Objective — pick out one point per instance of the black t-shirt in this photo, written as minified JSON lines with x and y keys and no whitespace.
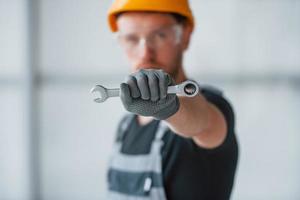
{"x":189,"y":171}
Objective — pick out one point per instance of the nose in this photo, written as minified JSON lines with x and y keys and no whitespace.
{"x":145,"y":51}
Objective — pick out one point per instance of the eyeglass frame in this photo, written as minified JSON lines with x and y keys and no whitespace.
{"x":153,"y":39}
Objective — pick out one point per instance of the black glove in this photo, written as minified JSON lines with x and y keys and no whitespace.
{"x":145,"y":93}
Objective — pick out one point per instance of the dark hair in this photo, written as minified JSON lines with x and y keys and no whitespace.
{"x":179,"y":18}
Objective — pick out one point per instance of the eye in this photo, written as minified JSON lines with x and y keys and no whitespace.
{"x":132,"y":39}
{"x":161,"y":35}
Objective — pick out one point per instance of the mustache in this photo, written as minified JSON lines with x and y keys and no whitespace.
{"x":149,"y":66}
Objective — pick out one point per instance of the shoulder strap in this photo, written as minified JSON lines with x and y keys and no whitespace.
{"x":161,"y":130}
{"x":123,"y":125}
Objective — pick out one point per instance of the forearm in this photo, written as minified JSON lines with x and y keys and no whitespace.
{"x":192,"y":118}
{"x":200,"y":120}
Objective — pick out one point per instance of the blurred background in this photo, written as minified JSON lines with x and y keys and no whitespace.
{"x":55,"y":141}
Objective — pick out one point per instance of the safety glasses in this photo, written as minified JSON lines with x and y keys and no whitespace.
{"x":170,"y":35}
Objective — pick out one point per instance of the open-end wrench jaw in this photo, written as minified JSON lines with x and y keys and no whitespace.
{"x":103,"y":93}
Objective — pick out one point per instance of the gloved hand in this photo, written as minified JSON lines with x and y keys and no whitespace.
{"x":145,"y":93}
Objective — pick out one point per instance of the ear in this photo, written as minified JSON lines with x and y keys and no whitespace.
{"x":187,"y":30}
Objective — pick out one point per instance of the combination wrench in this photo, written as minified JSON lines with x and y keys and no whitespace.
{"x":187,"y":88}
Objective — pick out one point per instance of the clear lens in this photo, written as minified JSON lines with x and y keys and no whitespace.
{"x":155,"y":40}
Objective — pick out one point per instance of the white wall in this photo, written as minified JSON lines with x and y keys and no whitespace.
{"x":14,"y":153}
{"x":248,"y":48}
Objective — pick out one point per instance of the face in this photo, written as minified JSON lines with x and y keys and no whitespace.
{"x":153,"y":40}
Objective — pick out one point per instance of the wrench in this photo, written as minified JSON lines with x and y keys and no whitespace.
{"x":187,"y":88}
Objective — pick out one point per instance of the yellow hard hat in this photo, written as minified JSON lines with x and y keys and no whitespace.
{"x":180,"y":7}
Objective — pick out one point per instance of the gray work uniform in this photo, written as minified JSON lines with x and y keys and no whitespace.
{"x":137,"y":177}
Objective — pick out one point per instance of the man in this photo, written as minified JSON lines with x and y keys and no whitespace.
{"x":169,"y":147}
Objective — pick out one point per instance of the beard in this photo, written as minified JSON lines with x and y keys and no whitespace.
{"x":172,"y":68}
